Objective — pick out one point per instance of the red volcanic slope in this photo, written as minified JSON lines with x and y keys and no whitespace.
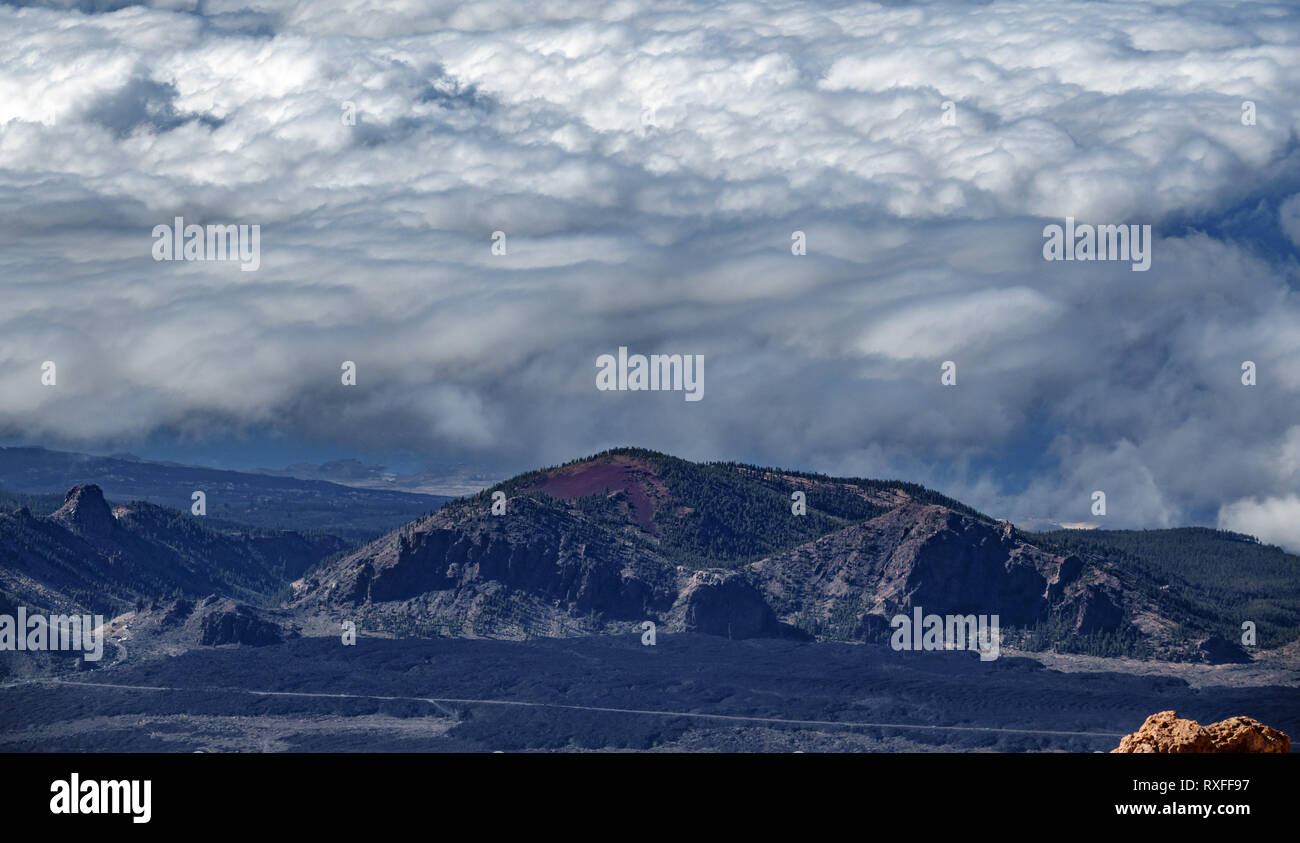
{"x":633,"y":477}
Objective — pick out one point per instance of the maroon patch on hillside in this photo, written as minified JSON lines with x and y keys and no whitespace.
{"x":632,"y":478}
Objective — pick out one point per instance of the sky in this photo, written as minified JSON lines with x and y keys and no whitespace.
{"x":648,"y":162}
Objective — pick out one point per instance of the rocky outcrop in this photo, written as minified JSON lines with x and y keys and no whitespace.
{"x":1218,"y":650}
{"x":499,"y":575}
{"x":946,"y":562}
{"x":222,"y":621}
{"x":86,"y":513}
{"x":1093,"y":604}
{"x":1242,"y":734}
{"x":177,"y":624}
{"x":172,"y":612}
{"x":720,"y":602}
{"x":539,"y":548}
{"x":1166,"y":732}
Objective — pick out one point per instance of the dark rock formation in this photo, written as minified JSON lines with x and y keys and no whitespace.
{"x":86,"y":513}
{"x":942,"y":561}
{"x":1218,"y":650}
{"x":551,"y":559}
{"x":221,"y":621}
{"x":719,"y":602}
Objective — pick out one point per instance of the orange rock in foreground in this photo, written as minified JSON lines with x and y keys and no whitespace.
{"x":1241,"y":734}
{"x":1167,"y":732}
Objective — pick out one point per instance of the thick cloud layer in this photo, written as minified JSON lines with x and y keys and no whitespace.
{"x":648,"y":162}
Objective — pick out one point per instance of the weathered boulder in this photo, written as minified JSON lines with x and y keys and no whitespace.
{"x":1166,"y":732}
{"x":1242,"y":734}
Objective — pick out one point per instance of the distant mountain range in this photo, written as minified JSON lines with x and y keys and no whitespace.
{"x":251,"y":499}
{"x":605,"y":543}
{"x":450,"y":481}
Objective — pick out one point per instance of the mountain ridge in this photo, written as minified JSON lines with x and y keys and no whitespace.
{"x":88,"y":555}
{"x":247,"y":498}
{"x":606,"y":541}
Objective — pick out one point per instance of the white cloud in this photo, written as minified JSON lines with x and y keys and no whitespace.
{"x":1271,"y":520}
{"x":924,"y":239}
